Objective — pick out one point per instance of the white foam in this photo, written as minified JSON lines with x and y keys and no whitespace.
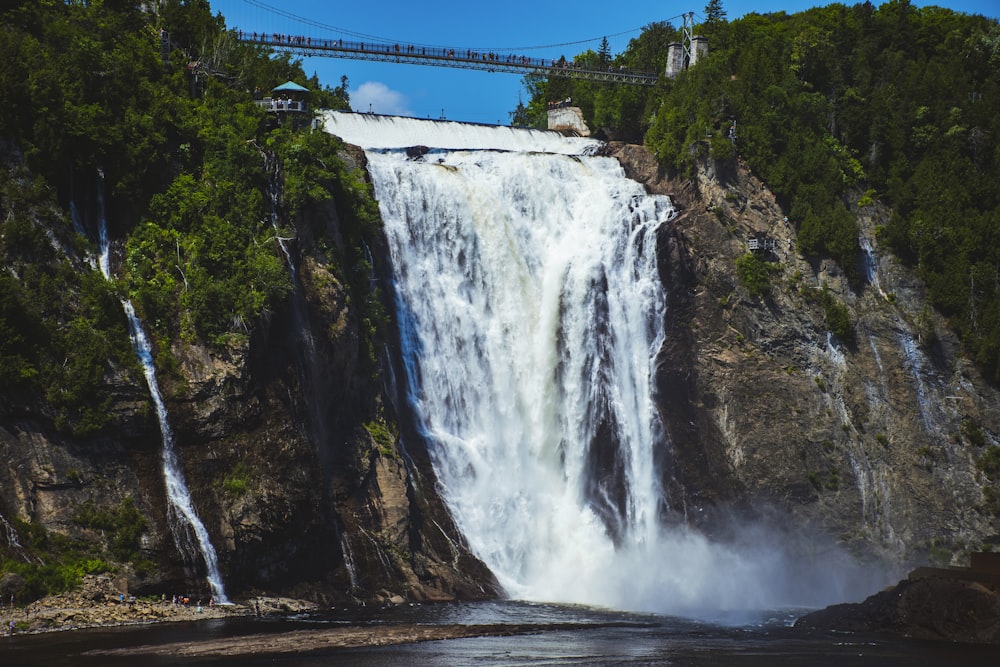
{"x":381,"y":132}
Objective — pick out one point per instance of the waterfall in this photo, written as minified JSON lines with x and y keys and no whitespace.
{"x":370,"y":131}
{"x":181,"y":513}
{"x":871,"y":264}
{"x":10,"y":537}
{"x":271,"y":169}
{"x":531,"y":312}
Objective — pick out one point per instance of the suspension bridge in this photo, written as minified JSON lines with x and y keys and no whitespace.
{"x":294,"y":37}
{"x":412,"y":54}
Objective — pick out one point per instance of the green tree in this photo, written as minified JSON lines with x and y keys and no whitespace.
{"x":714,"y":14}
{"x":604,"y":52}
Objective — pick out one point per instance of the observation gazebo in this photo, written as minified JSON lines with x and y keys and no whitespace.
{"x":289,"y":97}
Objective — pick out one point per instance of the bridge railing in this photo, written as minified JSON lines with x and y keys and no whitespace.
{"x":277,"y":104}
{"x":443,"y":56}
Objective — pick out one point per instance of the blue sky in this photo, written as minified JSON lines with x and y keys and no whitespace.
{"x":482,"y":97}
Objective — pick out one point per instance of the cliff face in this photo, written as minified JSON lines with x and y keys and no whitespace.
{"x":873,"y":439}
{"x":287,"y":442}
{"x":311,"y":485}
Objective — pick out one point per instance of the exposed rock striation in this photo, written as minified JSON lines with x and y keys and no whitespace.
{"x":311,"y":485}
{"x":873,"y":439}
{"x":288,"y":444}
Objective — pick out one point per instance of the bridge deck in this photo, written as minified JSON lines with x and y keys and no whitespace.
{"x":442,"y":57}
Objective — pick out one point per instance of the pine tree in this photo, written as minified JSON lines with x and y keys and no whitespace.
{"x":604,"y":52}
{"x":714,"y":13}
{"x":519,"y":117}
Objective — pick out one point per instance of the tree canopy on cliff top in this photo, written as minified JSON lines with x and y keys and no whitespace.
{"x":834,"y":107}
{"x":161,"y":106}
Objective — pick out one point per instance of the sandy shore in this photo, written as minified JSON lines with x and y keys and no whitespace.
{"x":301,"y":641}
{"x":97,"y":603}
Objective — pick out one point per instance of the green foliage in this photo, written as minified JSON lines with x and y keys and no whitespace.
{"x":179,"y":154}
{"x":58,"y":563}
{"x":237,"y":482}
{"x":989,"y":463}
{"x":61,"y":329}
{"x":383,"y":435}
{"x":832,"y":481}
{"x":190,"y":168}
{"x":836,"y":316}
{"x":123,"y":527}
{"x":838,"y":320}
{"x":817,"y":481}
{"x":973,"y":432}
{"x":755,"y":273}
{"x":41,"y":579}
{"x":721,"y":147}
{"x":832,"y":233}
{"x":939,"y":553}
{"x":625,"y":111}
{"x":714,"y":14}
{"x":903,"y":100}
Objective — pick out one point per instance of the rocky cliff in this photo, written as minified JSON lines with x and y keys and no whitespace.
{"x":311,"y":484}
{"x":872,"y":438}
{"x":288,"y":441}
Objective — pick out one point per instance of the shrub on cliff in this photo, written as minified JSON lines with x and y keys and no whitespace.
{"x":755,"y":273}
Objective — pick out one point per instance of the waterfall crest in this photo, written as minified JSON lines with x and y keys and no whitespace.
{"x":372,"y":131}
{"x":531,"y":312}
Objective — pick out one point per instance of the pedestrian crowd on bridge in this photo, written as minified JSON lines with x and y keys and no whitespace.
{"x":412,"y":49}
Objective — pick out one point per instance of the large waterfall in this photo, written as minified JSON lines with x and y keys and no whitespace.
{"x":531,"y":311}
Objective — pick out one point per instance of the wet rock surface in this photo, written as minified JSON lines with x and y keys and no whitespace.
{"x":929,"y":604}
{"x":872,"y":439}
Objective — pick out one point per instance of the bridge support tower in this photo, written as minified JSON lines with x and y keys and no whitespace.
{"x":682,"y":55}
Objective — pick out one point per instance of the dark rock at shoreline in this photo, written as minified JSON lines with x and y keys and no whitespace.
{"x":953,"y":604}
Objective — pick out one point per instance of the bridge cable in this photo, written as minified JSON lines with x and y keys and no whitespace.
{"x":326,"y":26}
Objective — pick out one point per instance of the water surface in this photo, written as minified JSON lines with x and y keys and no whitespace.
{"x":638,"y":639}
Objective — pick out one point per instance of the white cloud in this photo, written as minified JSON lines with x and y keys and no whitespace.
{"x":379,"y":98}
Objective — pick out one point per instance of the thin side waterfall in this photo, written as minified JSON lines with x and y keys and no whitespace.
{"x":8,"y":535}
{"x":271,"y":168}
{"x":531,"y":312}
{"x":182,"y":516}
{"x":307,"y":358}
{"x":871,"y":264}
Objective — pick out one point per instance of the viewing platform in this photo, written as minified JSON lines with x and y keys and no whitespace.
{"x":289,"y":97}
{"x":273,"y":105}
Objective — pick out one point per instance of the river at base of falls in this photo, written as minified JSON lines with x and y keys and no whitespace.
{"x":596,"y":637}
